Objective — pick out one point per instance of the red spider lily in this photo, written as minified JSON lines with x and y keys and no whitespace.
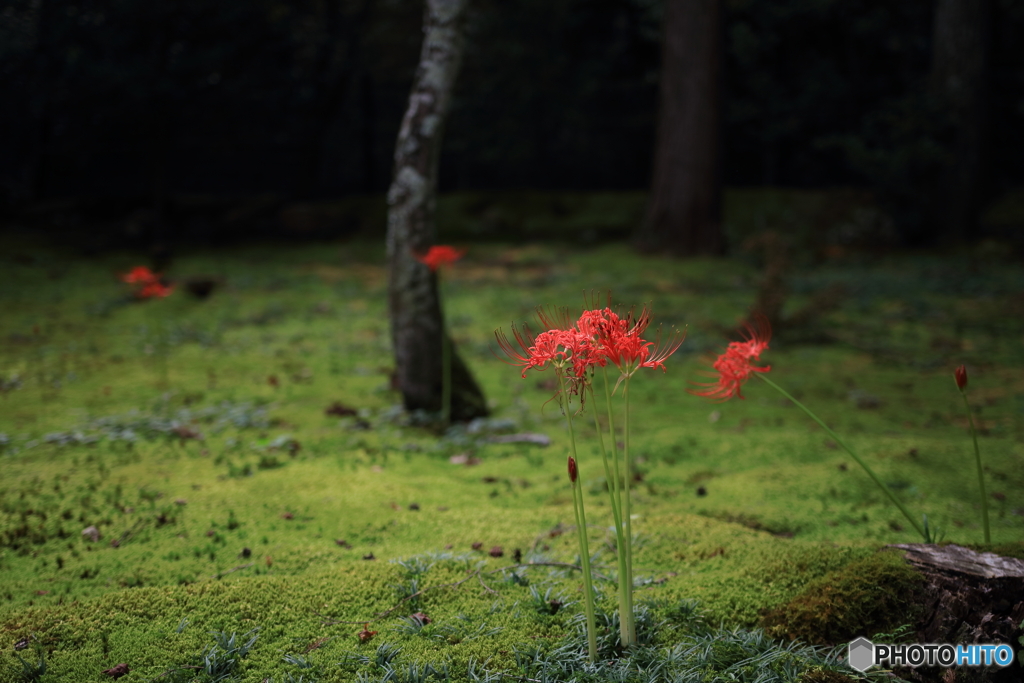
{"x":657,"y":357}
{"x":151,"y":285}
{"x":154,"y":289}
{"x":552,"y":318}
{"x":140,"y":275}
{"x":439,"y":255}
{"x":618,"y":339}
{"x":581,"y":350}
{"x":736,"y":365}
{"x":532,"y":352}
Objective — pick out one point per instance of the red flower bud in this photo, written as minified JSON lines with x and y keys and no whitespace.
{"x":961,"y":377}
{"x":573,"y":472}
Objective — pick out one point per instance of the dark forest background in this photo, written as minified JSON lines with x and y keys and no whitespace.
{"x":112,"y":107}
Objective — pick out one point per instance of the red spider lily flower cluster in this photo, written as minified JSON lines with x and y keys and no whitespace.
{"x":149,"y":283}
{"x":439,"y":255}
{"x":600,"y":336}
{"x":736,"y":365}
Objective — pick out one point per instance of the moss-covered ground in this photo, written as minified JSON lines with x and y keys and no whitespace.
{"x":194,"y":436}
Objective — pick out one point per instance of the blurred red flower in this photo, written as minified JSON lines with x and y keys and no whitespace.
{"x":151,"y":284}
{"x":735,"y":366}
{"x":139,"y":275}
{"x":440,"y":255}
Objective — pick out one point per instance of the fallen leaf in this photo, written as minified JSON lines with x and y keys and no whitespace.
{"x":366,"y":634}
{"x":340,"y":409}
{"x":117,"y":671}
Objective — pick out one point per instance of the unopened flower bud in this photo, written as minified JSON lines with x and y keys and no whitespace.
{"x":573,"y":472}
{"x":961,"y":377}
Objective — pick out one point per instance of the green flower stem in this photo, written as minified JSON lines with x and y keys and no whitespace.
{"x":446,"y":361}
{"x":625,"y":587}
{"x":581,"y":530}
{"x":853,"y":455}
{"x":628,"y":530}
{"x":161,"y":347}
{"x":609,"y":477}
{"x":981,"y":477}
{"x":588,"y":583}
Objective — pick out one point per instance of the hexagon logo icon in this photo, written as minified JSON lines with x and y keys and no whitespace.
{"x":861,"y":654}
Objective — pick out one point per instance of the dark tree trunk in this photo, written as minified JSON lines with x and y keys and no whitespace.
{"x":959,"y":79}
{"x":684,"y":208}
{"x":414,"y":308}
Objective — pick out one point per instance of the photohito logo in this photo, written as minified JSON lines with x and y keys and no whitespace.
{"x":864,"y":654}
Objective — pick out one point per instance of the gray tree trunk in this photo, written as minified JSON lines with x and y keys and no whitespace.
{"x":959,"y":79}
{"x":413,"y":305}
{"x":684,"y":208}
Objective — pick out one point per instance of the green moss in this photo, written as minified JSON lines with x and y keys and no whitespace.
{"x":274,"y":475}
{"x":867,"y":596}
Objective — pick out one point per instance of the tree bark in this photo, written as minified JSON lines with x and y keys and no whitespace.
{"x":959,"y":79}
{"x":968,"y":597}
{"x":684,"y":208}
{"x":414,"y":308}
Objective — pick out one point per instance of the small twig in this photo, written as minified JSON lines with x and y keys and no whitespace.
{"x":235,"y":569}
{"x":486,"y":587}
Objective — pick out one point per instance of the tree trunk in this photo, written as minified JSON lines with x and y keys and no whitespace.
{"x":968,"y":597}
{"x":959,"y":79}
{"x":414,"y":308}
{"x":684,"y":208}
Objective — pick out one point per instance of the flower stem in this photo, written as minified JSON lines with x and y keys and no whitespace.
{"x":611,"y":477}
{"x":446,"y":362}
{"x":581,"y":529}
{"x":853,"y":455}
{"x":625,"y":587}
{"x":628,"y":530}
{"x":981,"y":476}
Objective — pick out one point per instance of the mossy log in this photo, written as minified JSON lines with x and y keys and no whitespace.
{"x":968,"y":597}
